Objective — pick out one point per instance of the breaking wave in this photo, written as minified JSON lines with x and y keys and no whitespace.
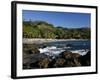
{"x":54,"y":51}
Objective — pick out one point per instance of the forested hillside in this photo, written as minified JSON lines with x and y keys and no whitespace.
{"x":41,"y":29}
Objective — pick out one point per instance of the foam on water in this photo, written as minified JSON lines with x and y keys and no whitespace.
{"x":51,"y":51}
{"x":81,"y":52}
{"x":54,"y":51}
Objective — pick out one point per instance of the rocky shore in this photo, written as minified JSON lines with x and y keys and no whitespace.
{"x":32,"y":59}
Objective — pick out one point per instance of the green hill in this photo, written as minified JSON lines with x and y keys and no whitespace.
{"x":41,"y":29}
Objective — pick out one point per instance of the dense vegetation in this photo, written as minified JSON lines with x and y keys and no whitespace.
{"x":41,"y":29}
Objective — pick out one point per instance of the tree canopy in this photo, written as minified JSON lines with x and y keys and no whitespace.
{"x":41,"y":29}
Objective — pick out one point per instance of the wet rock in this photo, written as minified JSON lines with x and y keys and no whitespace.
{"x":44,"y":46}
{"x":86,"y":59}
{"x":34,"y":65}
{"x":68,"y":55}
{"x":44,"y":63}
{"x":59,"y":62}
{"x":72,"y":62}
{"x":51,"y":64}
{"x":24,"y":66}
{"x":72,"y":59}
{"x":35,"y":61}
{"x":30,"y":49}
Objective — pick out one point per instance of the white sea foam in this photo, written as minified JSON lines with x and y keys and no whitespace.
{"x":51,"y":51}
{"x":81,"y":52}
{"x":54,"y":51}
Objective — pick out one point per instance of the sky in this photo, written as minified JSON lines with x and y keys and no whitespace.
{"x":64,"y":19}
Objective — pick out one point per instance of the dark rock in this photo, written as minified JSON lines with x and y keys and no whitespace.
{"x":66,"y":59}
{"x":33,"y":51}
{"x":44,"y":63}
{"x":44,"y":46}
{"x":59,"y":62}
{"x":34,"y":65}
{"x":30,"y":49}
{"x":35,"y":61}
{"x":72,"y":59}
{"x":24,"y":66}
{"x":72,"y":62}
{"x":86,"y":59}
{"x":32,"y":59}
{"x":68,"y":55}
{"x":51,"y":64}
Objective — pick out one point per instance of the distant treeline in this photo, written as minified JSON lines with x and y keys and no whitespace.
{"x":41,"y":29}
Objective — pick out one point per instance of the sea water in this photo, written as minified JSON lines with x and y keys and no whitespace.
{"x":56,"y":47}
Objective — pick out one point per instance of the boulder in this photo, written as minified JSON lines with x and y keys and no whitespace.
{"x":71,"y":59}
{"x":44,"y":63}
{"x":86,"y":59}
{"x":72,"y":62}
{"x":59,"y":62}
{"x":29,"y":49}
{"x":34,"y":65}
{"x":68,"y":55}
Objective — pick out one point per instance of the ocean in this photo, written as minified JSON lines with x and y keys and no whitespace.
{"x":56,"y":47}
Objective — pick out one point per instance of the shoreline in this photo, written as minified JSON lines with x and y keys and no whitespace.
{"x":40,"y":41}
